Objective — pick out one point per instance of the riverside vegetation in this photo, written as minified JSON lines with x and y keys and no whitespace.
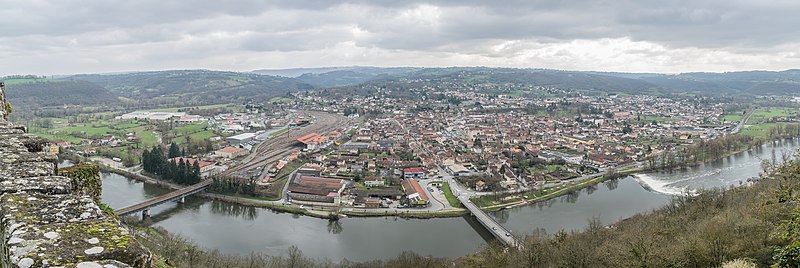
{"x":750,"y":226}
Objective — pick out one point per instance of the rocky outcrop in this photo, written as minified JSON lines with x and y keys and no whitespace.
{"x":84,"y":180}
{"x":5,"y":107}
{"x":50,"y":218}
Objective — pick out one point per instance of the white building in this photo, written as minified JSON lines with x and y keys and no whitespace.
{"x":241,"y":138}
{"x":161,"y":116}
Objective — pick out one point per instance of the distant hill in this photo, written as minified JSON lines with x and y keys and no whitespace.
{"x":732,"y":83}
{"x":588,"y":83}
{"x":338,"y":76}
{"x":335,"y":78}
{"x":736,"y":83}
{"x":580,"y":81}
{"x":51,"y":93}
{"x":194,"y":87}
{"x":210,"y":85}
{"x":297,"y":72}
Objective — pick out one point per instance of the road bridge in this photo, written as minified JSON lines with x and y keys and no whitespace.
{"x":178,"y":195}
{"x":501,"y":233}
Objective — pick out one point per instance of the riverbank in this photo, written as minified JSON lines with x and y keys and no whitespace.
{"x":274,"y":204}
{"x":519,"y":199}
{"x":531,"y":197}
{"x":409,"y":215}
{"x":756,"y":142}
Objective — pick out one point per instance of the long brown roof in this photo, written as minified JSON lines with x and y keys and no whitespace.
{"x":412,"y":186}
{"x":314,"y":185}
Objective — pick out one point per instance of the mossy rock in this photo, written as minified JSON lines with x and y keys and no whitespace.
{"x":58,"y":230}
{"x":85,"y":180}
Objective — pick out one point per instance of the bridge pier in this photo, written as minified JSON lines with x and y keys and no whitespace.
{"x":177,"y":195}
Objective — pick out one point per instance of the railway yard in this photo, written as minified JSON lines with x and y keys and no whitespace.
{"x":268,"y":152}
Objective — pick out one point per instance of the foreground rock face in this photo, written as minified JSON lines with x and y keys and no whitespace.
{"x":51,"y":221}
{"x":3,"y":103}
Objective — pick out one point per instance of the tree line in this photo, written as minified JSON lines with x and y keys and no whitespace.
{"x":155,"y":162}
{"x":717,"y":148}
{"x":700,"y":151}
{"x":227,"y":185}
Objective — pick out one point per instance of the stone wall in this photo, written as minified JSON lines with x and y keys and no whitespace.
{"x":3,"y":103}
{"x":48,"y":220}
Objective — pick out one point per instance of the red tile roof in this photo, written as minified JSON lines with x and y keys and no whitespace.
{"x":413,"y":170}
{"x":313,"y":137}
{"x":411,"y":185}
{"x":230,"y":150}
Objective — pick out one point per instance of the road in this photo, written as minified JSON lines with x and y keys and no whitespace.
{"x":499,"y":231}
{"x":743,"y":121}
{"x":437,"y":199}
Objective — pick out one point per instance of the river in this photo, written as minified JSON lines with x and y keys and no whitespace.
{"x":240,"y":229}
{"x":615,"y":200}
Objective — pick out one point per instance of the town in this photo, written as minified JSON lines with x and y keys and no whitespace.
{"x":393,"y":156}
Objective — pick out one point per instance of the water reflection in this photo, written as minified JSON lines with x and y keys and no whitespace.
{"x":572,"y":196}
{"x":170,"y":209}
{"x":591,"y":189}
{"x":619,"y":199}
{"x":501,"y":216}
{"x":335,"y":227}
{"x":611,"y":184}
{"x":229,"y":209}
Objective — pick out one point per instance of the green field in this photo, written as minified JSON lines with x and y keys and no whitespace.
{"x":146,"y":136}
{"x":732,"y":117}
{"x":761,"y":115}
{"x":71,"y":139}
{"x":189,"y":129}
{"x":195,"y":132}
{"x":759,"y":130}
{"x":546,"y":169}
{"x":61,"y":129}
{"x":78,"y":131}
{"x":202,"y":135}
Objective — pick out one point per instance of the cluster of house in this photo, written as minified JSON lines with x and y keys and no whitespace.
{"x":484,"y":135}
{"x":310,"y":186}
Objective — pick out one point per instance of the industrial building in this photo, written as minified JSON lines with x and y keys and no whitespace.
{"x":241,"y":138}
{"x":316,"y":191}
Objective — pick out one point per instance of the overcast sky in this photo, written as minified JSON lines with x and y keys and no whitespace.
{"x":66,"y":37}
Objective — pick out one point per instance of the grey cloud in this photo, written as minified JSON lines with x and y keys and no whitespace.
{"x":679,"y":23}
{"x":173,"y":29}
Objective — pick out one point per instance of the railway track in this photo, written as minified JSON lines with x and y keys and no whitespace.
{"x":278,"y":147}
